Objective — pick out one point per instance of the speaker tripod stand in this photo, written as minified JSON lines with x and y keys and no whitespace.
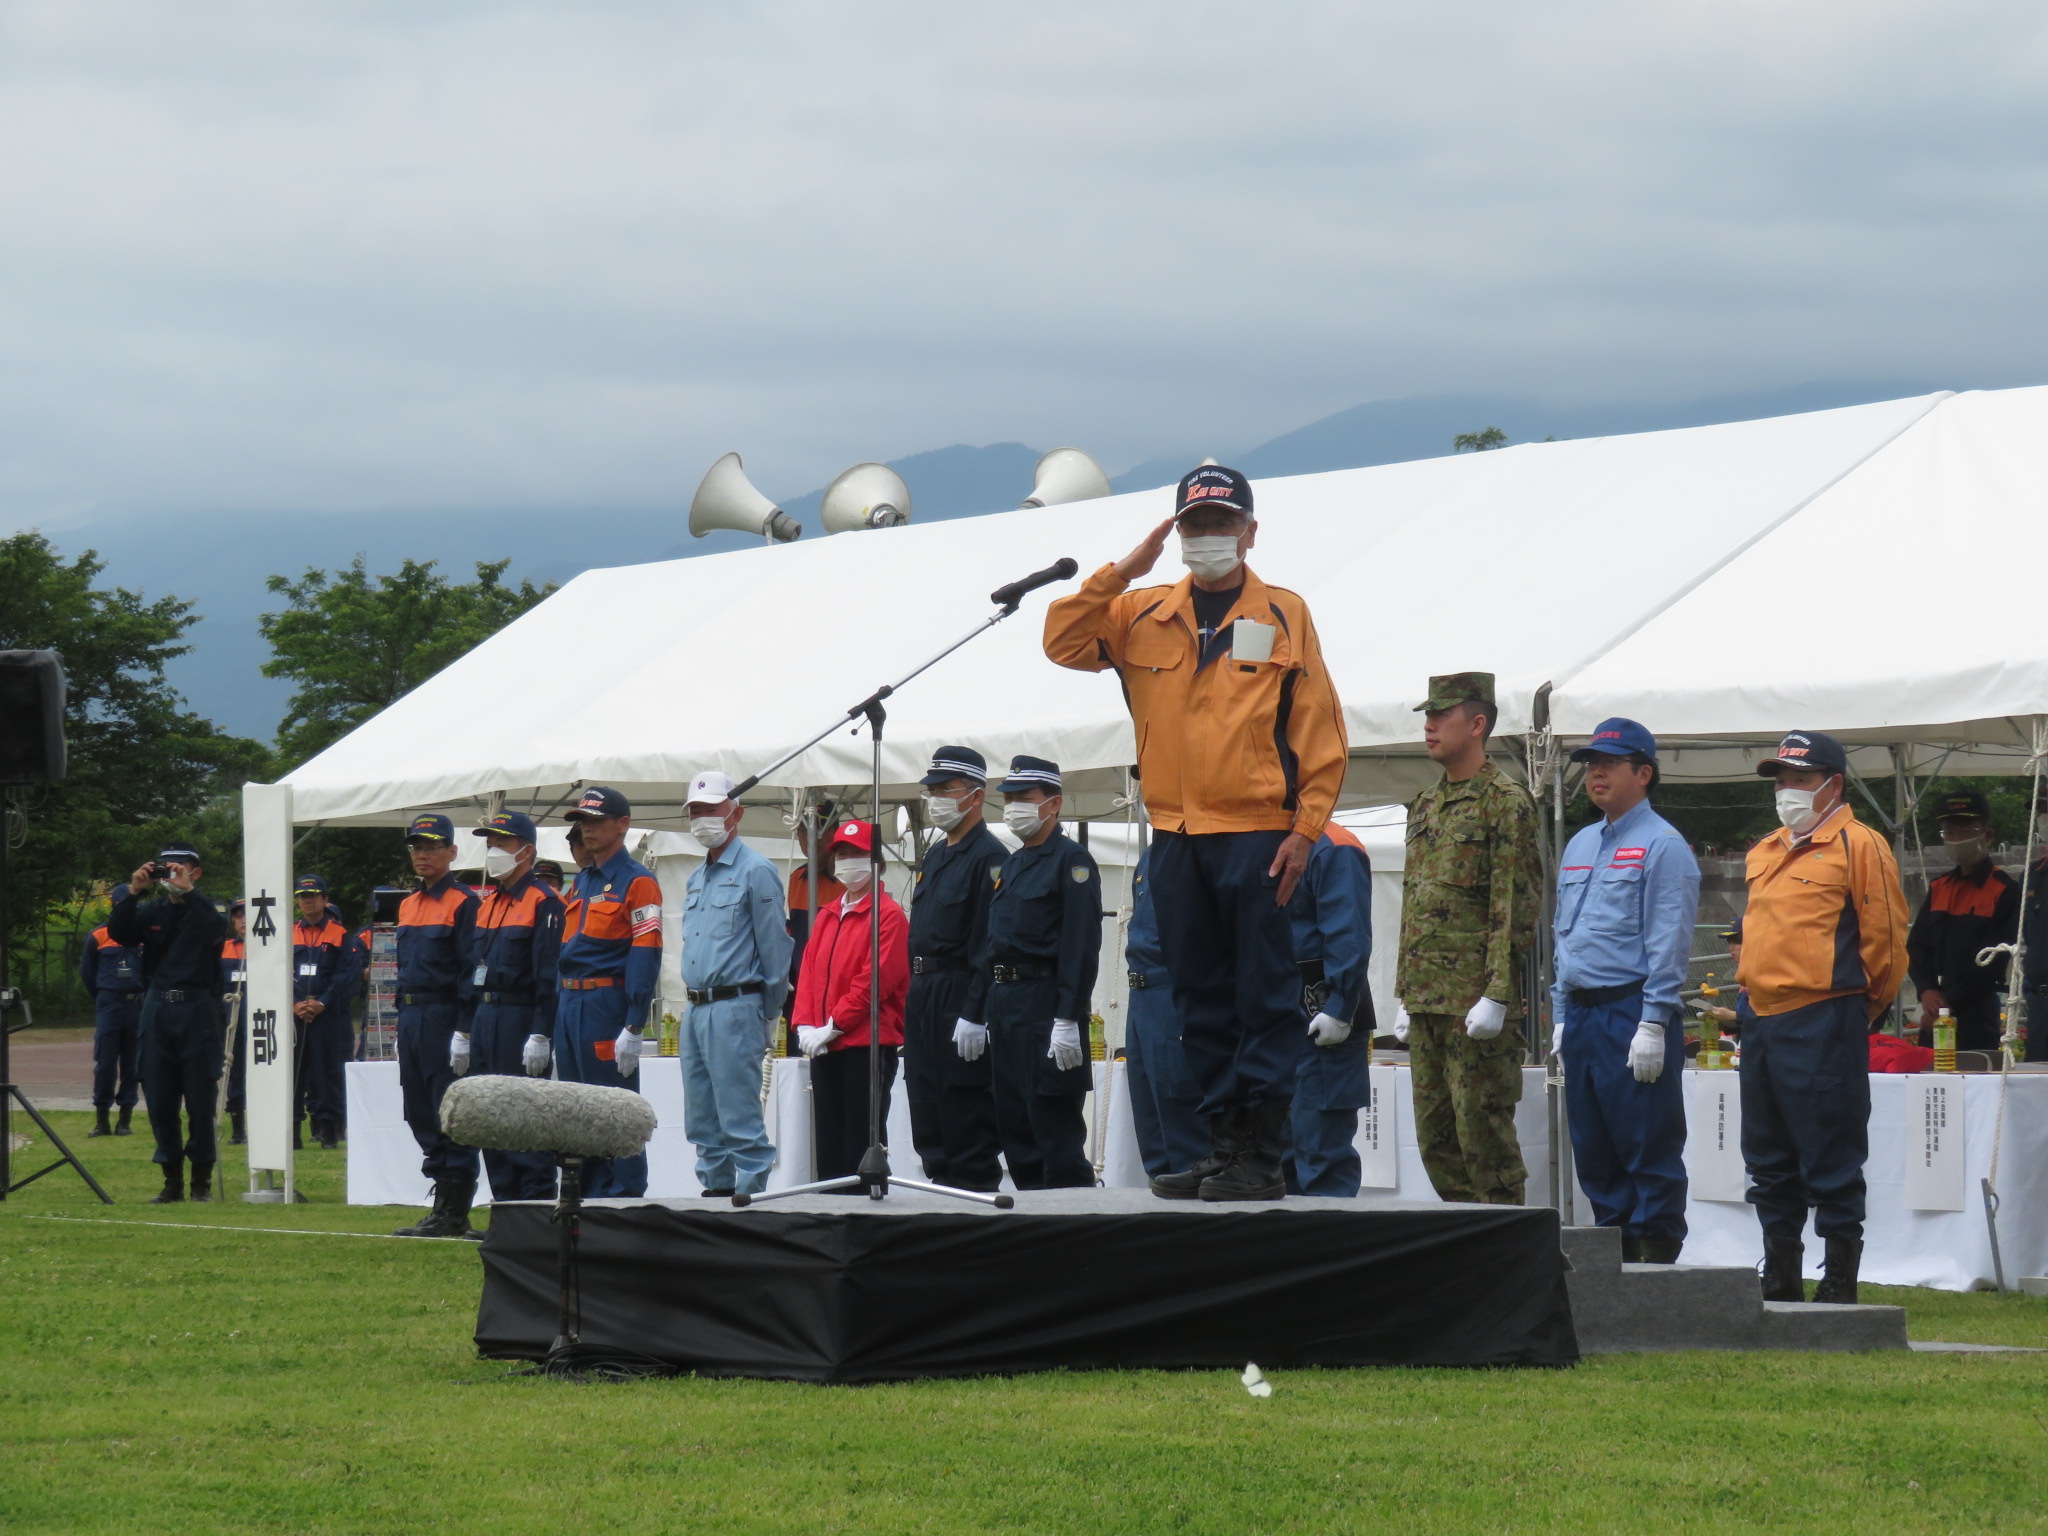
{"x":11,"y":1095}
{"x":873,"y":1175}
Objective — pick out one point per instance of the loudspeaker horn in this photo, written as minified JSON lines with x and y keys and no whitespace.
{"x":865,"y":496}
{"x":726,"y":498}
{"x":1063,"y":475}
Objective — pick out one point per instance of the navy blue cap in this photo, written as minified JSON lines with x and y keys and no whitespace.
{"x":508,"y":824}
{"x":1617,"y":738}
{"x":1963,"y":802}
{"x":1806,"y":749}
{"x":181,"y":853}
{"x":1031,"y":773}
{"x":956,"y":763}
{"x":310,"y":885}
{"x":431,"y":825}
{"x":237,"y":905}
{"x":1213,"y":486}
{"x":597,"y":803}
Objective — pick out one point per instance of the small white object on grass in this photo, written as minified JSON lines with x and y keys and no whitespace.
{"x":1255,"y":1381}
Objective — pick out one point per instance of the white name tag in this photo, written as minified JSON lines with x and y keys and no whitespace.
{"x":478,"y":979}
{"x":1252,"y":641}
{"x":309,"y":970}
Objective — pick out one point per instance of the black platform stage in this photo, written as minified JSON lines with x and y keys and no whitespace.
{"x":843,"y":1289}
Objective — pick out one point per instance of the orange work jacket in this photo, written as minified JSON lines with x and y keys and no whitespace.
{"x":1826,"y":918}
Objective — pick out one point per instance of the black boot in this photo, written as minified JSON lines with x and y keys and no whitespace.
{"x":173,"y":1192}
{"x":428,"y":1225}
{"x":1256,"y":1173}
{"x":298,"y":1142}
{"x":1838,"y":1280}
{"x":1631,"y":1248}
{"x":202,"y":1182}
{"x":1661,"y":1248}
{"x":329,"y":1132}
{"x":99,"y":1124}
{"x":455,"y":1217}
{"x":1784,"y":1257}
{"x":1223,"y":1142}
{"x":238,"y":1128}
{"x":121,"y":1125}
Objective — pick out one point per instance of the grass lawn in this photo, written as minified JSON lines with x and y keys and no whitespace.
{"x":166,"y":1378}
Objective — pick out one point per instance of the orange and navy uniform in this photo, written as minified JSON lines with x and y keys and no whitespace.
{"x":1826,"y":918}
{"x":324,"y":964}
{"x":515,"y":949}
{"x":1966,"y":910}
{"x":234,"y":967}
{"x":108,"y":966}
{"x":433,"y":943}
{"x":611,"y":933}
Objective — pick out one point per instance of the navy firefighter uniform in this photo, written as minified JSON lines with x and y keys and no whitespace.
{"x":1627,"y":894}
{"x":952,"y":1108}
{"x":1044,"y":946}
{"x":1331,"y":912}
{"x":180,"y":936}
{"x":234,"y":1002}
{"x":609,"y":966}
{"x":1166,"y":1104}
{"x":433,"y":942}
{"x":514,"y":948}
{"x":112,"y":973}
{"x":326,"y":965}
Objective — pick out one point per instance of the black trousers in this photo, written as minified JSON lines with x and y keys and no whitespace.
{"x":324,"y":1048}
{"x":1038,"y":1107}
{"x":181,"y":1061}
{"x":1978,"y":1026}
{"x":423,"y":1076}
{"x":839,"y":1107}
{"x":497,"y":1045}
{"x":1806,"y":1117}
{"x":952,"y":1109}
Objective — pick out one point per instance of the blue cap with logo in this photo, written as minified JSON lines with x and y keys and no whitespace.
{"x":1212,"y":485}
{"x":956,"y":763}
{"x":178,"y":853}
{"x":1031,"y":773}
{"x":1806,"y":749}
{"x":507,"y":824}
{"x":430,"y":826}
{"x":1617,"y":738}
{"x":597,"y":803}
{"x":310,"y":885}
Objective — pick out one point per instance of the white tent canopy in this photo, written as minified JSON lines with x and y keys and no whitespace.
{"x":1722,"y":584}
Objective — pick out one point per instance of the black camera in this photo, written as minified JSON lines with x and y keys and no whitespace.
{"x":159,"y":871}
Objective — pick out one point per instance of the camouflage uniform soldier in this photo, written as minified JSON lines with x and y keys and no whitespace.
{"x":1468,"y":921}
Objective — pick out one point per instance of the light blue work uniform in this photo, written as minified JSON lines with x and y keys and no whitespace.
{"x":1166,"y":1106}
{"x":1331,"y":914}
{"x":735,"y":935}
{"x":1627,"y":894}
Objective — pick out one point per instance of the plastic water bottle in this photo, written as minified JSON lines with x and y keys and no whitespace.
{"x":1944,"y":1042}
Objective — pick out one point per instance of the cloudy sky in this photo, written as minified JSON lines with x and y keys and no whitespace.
{"x":323,"y":257}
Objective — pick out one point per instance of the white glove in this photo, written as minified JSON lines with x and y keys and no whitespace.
{"x":1324,"y":1030}
{"x":812,"y":1039}
{"x":1557,"y":1037}
{"x":1066,"y":1051}
{"x":1646,"y":1052}
{"x":1485,"y":1019}
{"x":1400,"y":1022}
{"x":969,"y":1039}
{"x":535,"y":1055}
{"x":458,"y":1053}
{"x":626,"y":1053}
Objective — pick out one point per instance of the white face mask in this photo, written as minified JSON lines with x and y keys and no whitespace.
{"x":1023,"y":817}
{"x":1795,"y":808}
{"x":1211,"y":556}
{"x":852,"y":870}
{"x":944,"y":813}
{"x":500,"y":862}
{"x":710,"y":831}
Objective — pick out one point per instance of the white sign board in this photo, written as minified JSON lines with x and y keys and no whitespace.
{"x":267,"y":1044}
{"x":1934,"y":1143}
{"x":1378,"y":1143}
{"x":1713,"y":1136}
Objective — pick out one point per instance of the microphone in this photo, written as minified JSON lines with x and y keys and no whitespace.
{"x":539,"y":1114}
{"x":1013,"y":594}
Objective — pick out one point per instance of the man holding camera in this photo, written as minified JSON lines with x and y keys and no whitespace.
{"x":180,"y":932}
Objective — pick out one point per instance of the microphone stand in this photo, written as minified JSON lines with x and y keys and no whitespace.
{"x":874,"y":1175}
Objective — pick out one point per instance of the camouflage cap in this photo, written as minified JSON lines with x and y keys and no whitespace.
{"x":1455,"y":688}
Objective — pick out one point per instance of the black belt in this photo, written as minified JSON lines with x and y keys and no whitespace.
{"x":423,"y":999}
{"x":1137,"y":980}
{"x":507,"y":999}
{"x":1025,"y":970}
{"x":1594,"y":997}
{"x":1311,"y":971}
{"x":720,"y":994}
{"x":930,"y":965}
{"x":183,"y":994}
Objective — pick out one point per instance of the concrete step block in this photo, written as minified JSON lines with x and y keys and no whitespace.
{"x":1817,"y":1325}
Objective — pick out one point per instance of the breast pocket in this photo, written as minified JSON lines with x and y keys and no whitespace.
{"x":1615,"y":903}
{"x":1156,"y":647}
{"x":607,"y":920}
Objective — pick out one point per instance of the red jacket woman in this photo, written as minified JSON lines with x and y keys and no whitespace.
{"x":833,"y":997}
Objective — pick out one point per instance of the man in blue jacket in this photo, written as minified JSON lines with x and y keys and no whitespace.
{"x":1332,"y":917}
{"x":1166,"y":1106}
{"x":1627,"y":892}
{"x":112,"y":973}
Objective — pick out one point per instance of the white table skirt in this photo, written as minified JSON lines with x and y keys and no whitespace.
{"x":1950,"y":1250}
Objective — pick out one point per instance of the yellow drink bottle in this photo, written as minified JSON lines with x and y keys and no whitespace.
{"x":1944,"y":1042}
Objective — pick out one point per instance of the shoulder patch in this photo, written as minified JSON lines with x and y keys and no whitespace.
{"x":1080,"y":874}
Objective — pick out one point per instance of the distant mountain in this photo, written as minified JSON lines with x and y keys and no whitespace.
{"x":220,"y":563}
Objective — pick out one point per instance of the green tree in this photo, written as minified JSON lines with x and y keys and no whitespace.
{"x":1480,"y":441}
{"x":143,"y":768}
{"x":356,"y":643}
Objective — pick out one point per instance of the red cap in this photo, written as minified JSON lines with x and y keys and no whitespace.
{"x":857,"y":835}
